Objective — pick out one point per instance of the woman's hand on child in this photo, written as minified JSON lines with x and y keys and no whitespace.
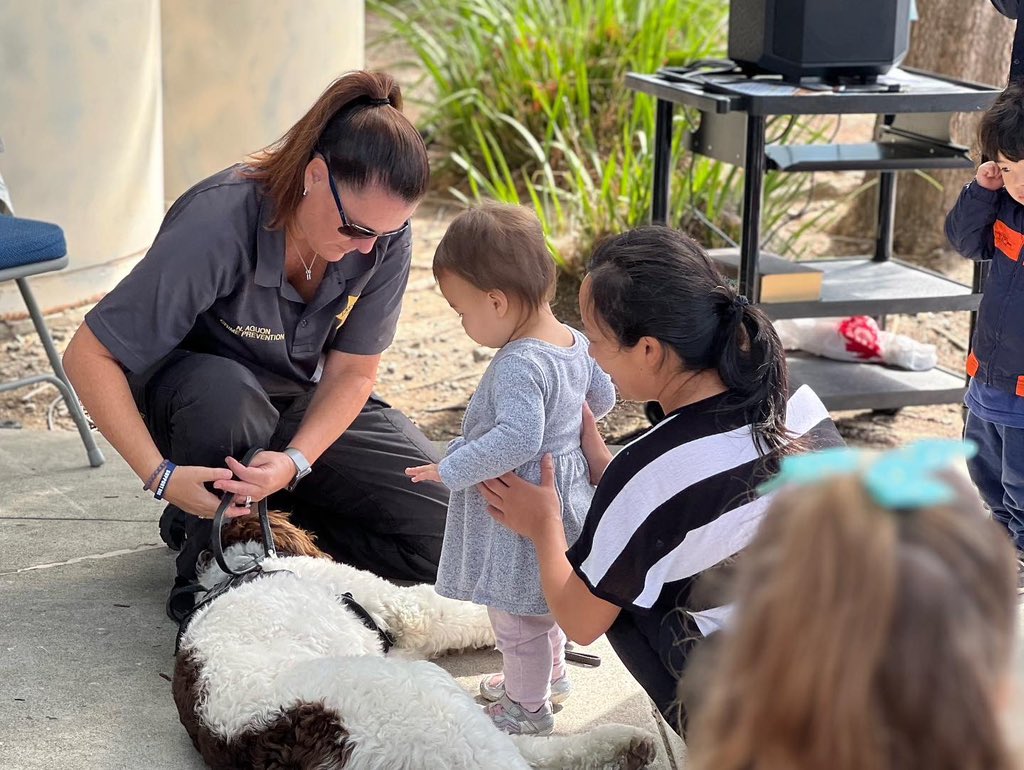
{"x":423,"y":473}
{"x":989,"y":176}
{"x":525,"y":508}
{"x":594,"y":448}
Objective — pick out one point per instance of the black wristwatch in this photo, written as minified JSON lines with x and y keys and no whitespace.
{"x":302,"y":467}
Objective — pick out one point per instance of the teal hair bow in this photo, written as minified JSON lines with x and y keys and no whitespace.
{"x":898,"y":478}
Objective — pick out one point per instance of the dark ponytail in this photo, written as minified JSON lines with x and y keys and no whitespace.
{"x":358,"y":122}
{"x":752,"y":365}
{"x":657,"y":282}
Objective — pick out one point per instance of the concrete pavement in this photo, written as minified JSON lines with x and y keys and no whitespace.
{"x":86,"y":652}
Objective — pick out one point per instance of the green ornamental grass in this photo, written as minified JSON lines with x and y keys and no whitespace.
{"x":530,"y":106}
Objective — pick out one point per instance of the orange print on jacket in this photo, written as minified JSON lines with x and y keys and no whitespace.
{"x":1007,"y":240}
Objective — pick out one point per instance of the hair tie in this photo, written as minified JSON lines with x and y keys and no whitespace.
{"x":740,"y":301}
{"x":380,"y":102}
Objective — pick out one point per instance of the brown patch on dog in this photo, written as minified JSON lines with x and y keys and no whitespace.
{"x":305,"y":736}
{"x":186,"y":690}
{"x":289,"y":540}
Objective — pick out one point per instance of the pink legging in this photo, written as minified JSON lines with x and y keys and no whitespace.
{"x":533,"y":655}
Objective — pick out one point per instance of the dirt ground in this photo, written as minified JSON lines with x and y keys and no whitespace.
{"x":429,"y":372}
{"x":432,"y":368}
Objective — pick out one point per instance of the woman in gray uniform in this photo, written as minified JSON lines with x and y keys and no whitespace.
{"x":257,"y":319}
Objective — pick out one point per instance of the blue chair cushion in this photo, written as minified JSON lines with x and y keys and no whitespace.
{"x":27,"y":242}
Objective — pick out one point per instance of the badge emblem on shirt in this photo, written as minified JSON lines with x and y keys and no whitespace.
{"x":343,"y":315}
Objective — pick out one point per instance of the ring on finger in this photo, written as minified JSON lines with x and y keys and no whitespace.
{"x":248,"y":501}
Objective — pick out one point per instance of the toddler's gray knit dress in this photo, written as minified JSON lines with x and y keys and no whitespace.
{"x":529,"y":403}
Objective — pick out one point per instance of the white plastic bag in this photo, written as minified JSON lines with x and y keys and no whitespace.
{"x":856,"y":338}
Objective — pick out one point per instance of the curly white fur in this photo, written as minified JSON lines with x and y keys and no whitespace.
{"x":285,"y":639}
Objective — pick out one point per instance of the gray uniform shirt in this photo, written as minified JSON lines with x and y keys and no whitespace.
{"x":529,"y":403}
{"x":213,"y":282}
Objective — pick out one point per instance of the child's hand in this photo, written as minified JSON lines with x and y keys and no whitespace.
{"x":989,"y":176}
{"x":423,"y":473}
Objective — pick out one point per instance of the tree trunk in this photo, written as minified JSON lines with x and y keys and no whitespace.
{"x":966,"y":40}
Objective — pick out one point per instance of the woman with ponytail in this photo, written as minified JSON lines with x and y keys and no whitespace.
{"x":257,"y":319}
{"x":674,"y":507}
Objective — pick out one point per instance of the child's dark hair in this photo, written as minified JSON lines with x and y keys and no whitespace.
{"x":1001,"y":130}
{"x":657,"y":282}
{"x":499,"y":246}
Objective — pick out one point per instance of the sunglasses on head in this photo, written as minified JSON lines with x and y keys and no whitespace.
{"x":351,"y":229}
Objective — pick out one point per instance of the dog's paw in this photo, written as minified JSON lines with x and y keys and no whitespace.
{"x":638,"y":751}
{"x":606,"y":747}
{"x":621,"y":747}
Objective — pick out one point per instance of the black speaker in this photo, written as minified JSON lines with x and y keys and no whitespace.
{"x":836,"y":40}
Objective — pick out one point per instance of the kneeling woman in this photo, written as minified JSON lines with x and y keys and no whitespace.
{"x":678,"y":503}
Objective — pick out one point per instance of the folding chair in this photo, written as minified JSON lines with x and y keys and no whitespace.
{"x":28,"y":248}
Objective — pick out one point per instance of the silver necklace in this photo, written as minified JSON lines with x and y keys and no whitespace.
{"x":309,"y":267}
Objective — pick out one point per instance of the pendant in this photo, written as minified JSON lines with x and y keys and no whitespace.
{"x":309,"y":273}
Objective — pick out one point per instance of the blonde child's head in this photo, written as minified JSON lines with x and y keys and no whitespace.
{"x":867,"y":635}
{"x":494,"y":268}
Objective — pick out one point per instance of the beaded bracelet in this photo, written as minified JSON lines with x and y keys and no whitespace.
{"x":157,"y":472}
{"x":159,"y":494}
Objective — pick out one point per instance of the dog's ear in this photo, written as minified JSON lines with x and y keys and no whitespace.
{"x":289,"y":540}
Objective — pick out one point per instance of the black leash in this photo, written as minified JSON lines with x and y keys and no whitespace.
{"x":583,"y":658}
{"x":235,"y":577}
{"x":255,"y":569}
{"x":387,"y":639}
{"x":218,"y":524}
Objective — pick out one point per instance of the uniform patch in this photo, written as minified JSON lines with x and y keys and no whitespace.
{"x":343,"y":315}
{"x":252,"y":332}
{"x":1007,"y":240}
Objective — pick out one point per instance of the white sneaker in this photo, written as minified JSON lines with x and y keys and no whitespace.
{"x":492,"y":688}
{"x":510,"y":717}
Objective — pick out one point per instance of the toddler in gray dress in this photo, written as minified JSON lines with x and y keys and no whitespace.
{"x":494,"y":268}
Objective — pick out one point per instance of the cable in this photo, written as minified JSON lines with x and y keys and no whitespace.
{"x":51,"y":411}
{"x":713,"y":227}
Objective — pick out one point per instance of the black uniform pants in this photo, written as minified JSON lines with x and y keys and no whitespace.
{"x":358,"y":501}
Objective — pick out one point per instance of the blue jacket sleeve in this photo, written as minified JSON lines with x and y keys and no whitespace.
{"x":969,"y":223}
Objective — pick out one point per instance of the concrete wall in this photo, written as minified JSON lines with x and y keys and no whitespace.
{"x":109,"y":109}
{"x":237,"y":73}
{"x":80,"y":115}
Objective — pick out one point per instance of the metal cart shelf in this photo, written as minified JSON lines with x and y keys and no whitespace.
{"x":845,"y":385}
{"x":863,"y":286}
{"x":870,"y":156}
{"x":913,"y":133}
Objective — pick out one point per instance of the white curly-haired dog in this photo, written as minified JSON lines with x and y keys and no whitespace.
{"x":277,"y":672}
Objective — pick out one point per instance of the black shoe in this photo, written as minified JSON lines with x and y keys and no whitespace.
{"x":172,"y":527}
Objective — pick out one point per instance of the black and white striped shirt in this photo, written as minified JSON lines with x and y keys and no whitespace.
{"x":671,"y":511}
{"x":680,"y":500}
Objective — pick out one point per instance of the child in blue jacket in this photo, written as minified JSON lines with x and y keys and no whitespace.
{"x":987,"y":223}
